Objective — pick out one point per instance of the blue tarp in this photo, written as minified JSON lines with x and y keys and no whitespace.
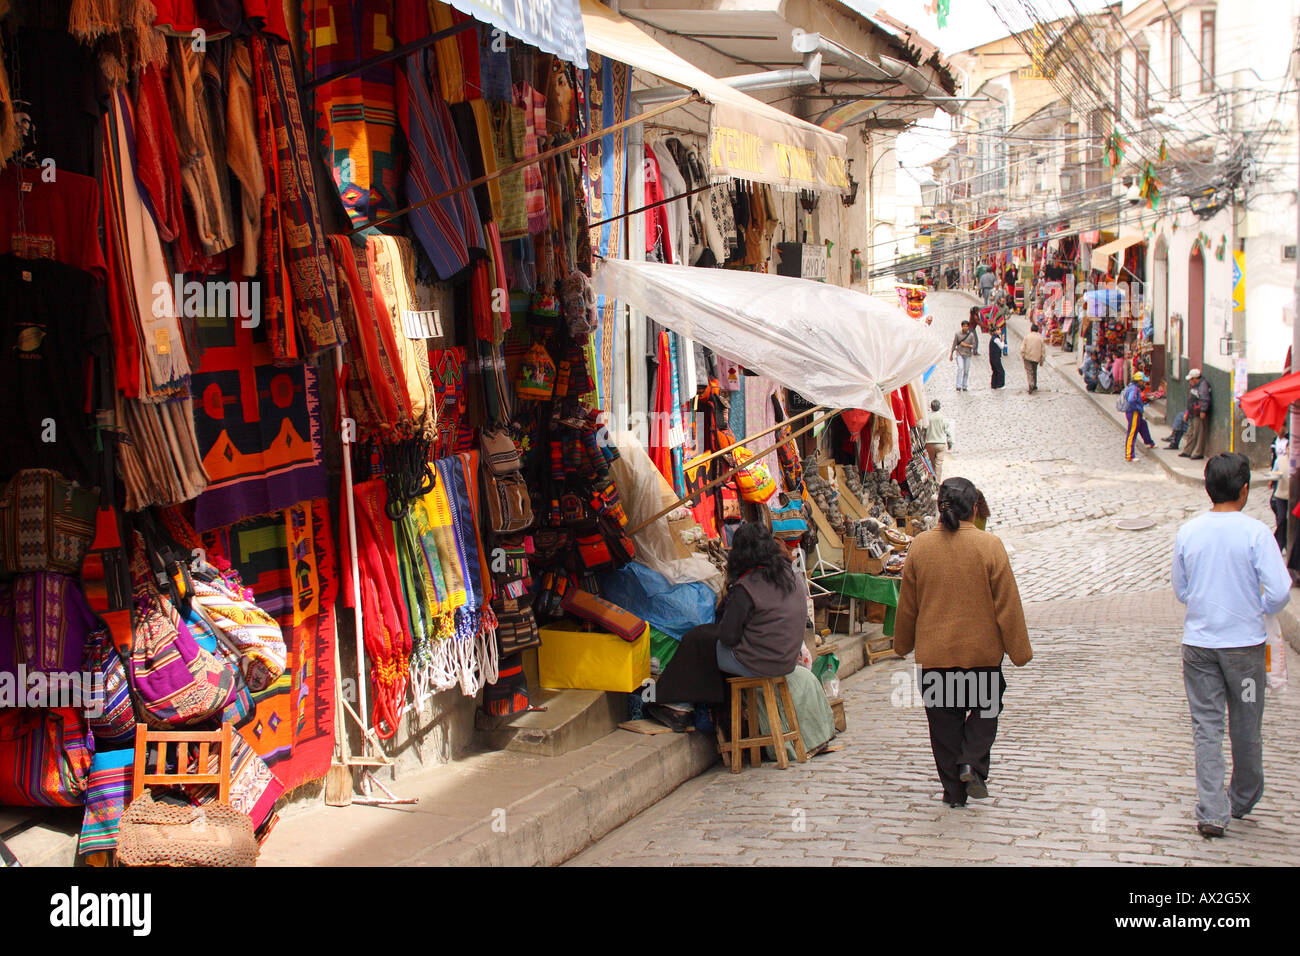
{"x":671,"y":608}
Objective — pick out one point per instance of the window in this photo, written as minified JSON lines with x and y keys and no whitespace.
{"x":1207,"y":51}
{"x":1142,"y":82}
{"x":1175,"y":58}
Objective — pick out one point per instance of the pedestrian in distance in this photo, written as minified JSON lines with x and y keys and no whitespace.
{"x":1229,"y":573}
{"x":1175,"y":437}
{"x":959,"y":609}
{"x":1032,"y":350}
{"x":997,"y":348}
{"x":1280,"y":487}
{"x":1198,"y":412}
{"x":1134,"y":407}
{"x":987,"y":280}
{"x":963,"y":343}
{"x":938,"y":437}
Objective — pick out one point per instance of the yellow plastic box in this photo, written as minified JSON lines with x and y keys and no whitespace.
{"x":592,"y":660}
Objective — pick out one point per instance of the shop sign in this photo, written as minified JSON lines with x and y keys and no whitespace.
{"x":1238,"y":281}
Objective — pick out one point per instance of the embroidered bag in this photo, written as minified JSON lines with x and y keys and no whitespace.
{"x":754,"y":482}
{"x":46,"y":523}
{"x":536,"y":375}
{"x":500,"y":454}
{"x":510,"y":510}
{"x":788,"y":522}
{"x":516,"y":626}
{"x":44,"y":757}
{"x":115,"y":725}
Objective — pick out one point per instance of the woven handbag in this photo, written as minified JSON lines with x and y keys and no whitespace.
{"x":44,"y":757}
{"x":155,"y":833}
{"x":47,"y":522}
{"x":499,"y":452}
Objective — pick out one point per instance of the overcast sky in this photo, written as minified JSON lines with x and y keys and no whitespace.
{"x":970,"y":22}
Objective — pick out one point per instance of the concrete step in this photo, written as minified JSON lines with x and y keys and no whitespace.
{"x":499,"y":809}
{"x":572,"y":719}
{"x":42,"y":836}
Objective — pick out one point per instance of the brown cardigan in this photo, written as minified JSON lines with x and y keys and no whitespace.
{"x":959,"y":605}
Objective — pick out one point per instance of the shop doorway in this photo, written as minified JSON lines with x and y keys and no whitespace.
{"x":1158,"y":291}
{"x":1196,"y":308}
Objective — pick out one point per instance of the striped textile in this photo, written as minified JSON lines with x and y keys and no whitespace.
{"x":373,"y":350}
{"x":262,"y":651}
{"x":108,"y":791}
{"x":391,"y":262}
{"x":449,"y":228}
{"x":358,"y":113}
{"x":296,"y":259}
{"x":115,"y":726}
{"x":44,"y":757}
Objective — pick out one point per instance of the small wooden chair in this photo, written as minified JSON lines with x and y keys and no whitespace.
{"x":770,"y":687}
{"x":182,"y":739}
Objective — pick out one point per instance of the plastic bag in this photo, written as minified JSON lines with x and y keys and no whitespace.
{"x":671,"y":608}
{"x":826,"y":668}
{"x":1275,"y":653}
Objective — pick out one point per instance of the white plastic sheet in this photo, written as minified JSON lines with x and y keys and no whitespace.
{"x":643,"y":491}
{"x":834,"y":346}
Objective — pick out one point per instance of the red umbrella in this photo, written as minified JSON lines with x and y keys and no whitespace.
{"x":1269,"y":405}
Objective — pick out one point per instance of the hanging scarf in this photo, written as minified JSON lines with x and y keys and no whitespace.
{"x":370,"y":368}
{"x":148,"y":280}
{"x":297,"y":248}
{"x":391,"y":262}
{"x":448,"y":228}
{"x":243,"y":155}
{"x":387,"y":636}
{"x":200,"y":136}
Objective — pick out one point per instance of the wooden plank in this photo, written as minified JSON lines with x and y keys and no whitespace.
{"x":646,"y":726}
{"x":849,"y":504}
{"x":831,"y":544}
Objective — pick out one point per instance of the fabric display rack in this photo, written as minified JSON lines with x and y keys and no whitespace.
{"x":295,"y":398}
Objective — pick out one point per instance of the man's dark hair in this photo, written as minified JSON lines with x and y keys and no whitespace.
{"x":1033,"y":326}
{"x":1225,"y":475}
{"x":934,"y":405}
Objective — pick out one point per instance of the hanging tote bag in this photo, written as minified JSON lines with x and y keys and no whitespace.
{"x":788,"y":523}
{"x":753,"y":482}
{"x":177,"y":683}
{"x":252,"y":635}
{"x":44,"y":757}
{"x":47,"y":523}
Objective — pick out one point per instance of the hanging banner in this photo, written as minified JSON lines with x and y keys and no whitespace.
{"x":553,"y":26}
{"x":1238,"y":281}
{"x":743,"y":145}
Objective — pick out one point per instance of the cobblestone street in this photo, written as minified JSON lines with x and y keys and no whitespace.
{"x":1093,"y":762}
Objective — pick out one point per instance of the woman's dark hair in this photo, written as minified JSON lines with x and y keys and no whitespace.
{"x":754,"y":549}
{"x":957,"y":501}
{"x":974,"y":313}
{"x":1225,"y":475}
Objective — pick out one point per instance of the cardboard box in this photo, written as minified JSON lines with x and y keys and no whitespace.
{"x":675,"y":528}
{"x":573,"y":659}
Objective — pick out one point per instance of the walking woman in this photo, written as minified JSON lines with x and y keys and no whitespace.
{"x":959,"y":608}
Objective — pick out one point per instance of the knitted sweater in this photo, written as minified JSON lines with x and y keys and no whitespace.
{"x":959,"y":605}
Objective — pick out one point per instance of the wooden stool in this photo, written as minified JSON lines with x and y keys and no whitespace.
{"x":769,"y":686}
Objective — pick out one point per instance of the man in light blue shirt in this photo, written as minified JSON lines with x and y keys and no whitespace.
{"x":1229,"y":573}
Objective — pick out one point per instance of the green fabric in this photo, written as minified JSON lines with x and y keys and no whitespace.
{"x":663,"y":646}
{"x":866,"y":587}
{"x":816,"y":720}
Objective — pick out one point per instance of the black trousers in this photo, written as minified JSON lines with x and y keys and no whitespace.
{"x":962,"y":727}
{"x":1281,"y":510}
{"x":999,"y":377}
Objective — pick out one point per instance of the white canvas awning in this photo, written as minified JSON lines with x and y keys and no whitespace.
{"x":748,"y":139}
{"x":553,"y":26}
{"x":834,"y":346}
{"x":1102,"y":253}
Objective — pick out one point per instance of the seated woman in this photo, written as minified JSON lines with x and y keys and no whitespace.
{"x":759,"y":631}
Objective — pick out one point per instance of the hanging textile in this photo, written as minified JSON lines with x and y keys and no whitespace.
{"x":448,"y":228}
{"x":161,"y":463}
{"x":357,"y":113}
{"x":372,"y":346}
{"x":157,"y":163}
{"x":258,"y":428}
{"x":243,"y":155}
{"x":447,"y":369}
{"x":145,"y":313}
{"x":387,"y":637}
{"x":201,"y":147}
{"x":288,"y":560}
{"x":295,"y":258}
{"x":391,"y":262}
